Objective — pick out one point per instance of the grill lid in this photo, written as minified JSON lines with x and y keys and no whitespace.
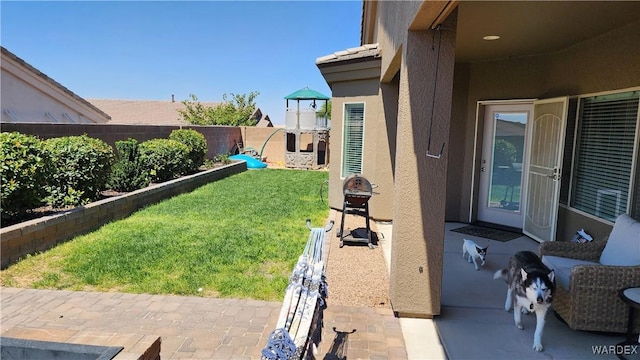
{"x":357,"y":185}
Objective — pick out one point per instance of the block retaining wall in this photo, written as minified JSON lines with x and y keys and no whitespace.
{"x":40,"y":234}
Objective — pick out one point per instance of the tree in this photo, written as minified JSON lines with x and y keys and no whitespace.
{"x":504,"y":153}
{"x":235,"y":110}
{"x":326,"y":107}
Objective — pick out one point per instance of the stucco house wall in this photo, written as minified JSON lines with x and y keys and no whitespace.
{"x":394,"y":19}
{"x":354,"y":77}
{"x":376,"y":162}
{"x":395,"y":151}
{"x":408,"y":72}
{"x":608,"y":62}
{"x":29,"y":96}
{"x":412,"y":87}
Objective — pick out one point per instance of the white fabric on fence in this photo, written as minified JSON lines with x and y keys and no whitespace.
{"x":306,"y":286}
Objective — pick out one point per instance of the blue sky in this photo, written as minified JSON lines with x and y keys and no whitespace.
{"x":150,"y":50}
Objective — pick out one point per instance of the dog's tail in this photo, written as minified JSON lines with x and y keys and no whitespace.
{"x":500,"y":274}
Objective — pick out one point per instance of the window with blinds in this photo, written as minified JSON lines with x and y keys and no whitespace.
{"x":352,"y":139}
{"x":602,"y":172}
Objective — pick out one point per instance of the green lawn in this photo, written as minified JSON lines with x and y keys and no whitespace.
{"x":237,"y":237}
{"x":504,"y":192}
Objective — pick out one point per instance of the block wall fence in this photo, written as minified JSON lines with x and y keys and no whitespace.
{"x":220,"y":139}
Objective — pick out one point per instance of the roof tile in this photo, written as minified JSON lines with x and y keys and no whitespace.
{"x":367,"y":50}
{"x":143,"y":112}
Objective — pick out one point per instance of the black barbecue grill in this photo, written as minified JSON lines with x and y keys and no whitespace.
{"x":357,"y":191}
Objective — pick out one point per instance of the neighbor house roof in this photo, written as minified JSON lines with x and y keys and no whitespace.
{"x":261,"y":119}
{"x":144,"y":112}
{"x":156,"y":112}
{"x":54,"y":84}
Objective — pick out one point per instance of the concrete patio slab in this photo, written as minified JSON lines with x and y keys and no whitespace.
{"x":474,"y":325}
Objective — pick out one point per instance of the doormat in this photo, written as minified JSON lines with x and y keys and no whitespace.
{"x":488,"y":233}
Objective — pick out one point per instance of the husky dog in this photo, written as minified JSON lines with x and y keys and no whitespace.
{"x":474,"y":252}
{"x":530,"y":288}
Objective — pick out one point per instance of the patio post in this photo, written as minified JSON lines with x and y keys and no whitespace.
{"x":426,"y":83}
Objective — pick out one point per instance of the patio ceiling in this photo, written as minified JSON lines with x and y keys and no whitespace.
{"x":534,"y":27}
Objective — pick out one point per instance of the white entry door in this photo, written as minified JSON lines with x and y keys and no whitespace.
{"x":501,"y":190}
{"x":544,"y":168}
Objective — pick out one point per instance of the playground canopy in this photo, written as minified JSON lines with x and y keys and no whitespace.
{"x":306,"y":94}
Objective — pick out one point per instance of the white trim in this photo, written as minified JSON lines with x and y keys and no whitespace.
{"x":507,"y":102}
{"x":590,"y":216}
{"x":634,"y":162}
{"x":634,"y":156}
{"x":559,"y":164}
{"x":609,"y":92}
{"x":342,"y":152}
{"x":482,"y":104}
{"x":573,"y":148}
{"x":473,"y":161}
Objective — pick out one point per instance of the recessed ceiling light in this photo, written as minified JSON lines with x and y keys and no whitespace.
{"x":491,"y":37}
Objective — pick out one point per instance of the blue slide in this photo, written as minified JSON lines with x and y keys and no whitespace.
{"x":252,"y":163}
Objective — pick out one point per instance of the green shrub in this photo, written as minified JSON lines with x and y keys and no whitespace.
{"x":165,"y":159}
{"x":82,"y":166}
{"x":196,"y":143}
{"x":25,"y":167}
{"x":222,"y":158}
{"x":128,"y":173}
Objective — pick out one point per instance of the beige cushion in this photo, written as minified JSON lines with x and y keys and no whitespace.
{"x":623,"y":246}
{"x":562,"y":266}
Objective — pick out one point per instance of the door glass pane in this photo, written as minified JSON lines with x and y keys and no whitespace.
{"x":508,"y":154}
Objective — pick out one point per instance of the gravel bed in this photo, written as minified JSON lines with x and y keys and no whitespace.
{"x":356,"y":275}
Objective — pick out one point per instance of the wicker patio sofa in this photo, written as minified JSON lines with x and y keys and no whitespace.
{"x":589,"y":278}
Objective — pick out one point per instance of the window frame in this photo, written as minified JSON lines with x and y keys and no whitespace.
{"x":343,"y":173}
{"x":632,"y":195}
